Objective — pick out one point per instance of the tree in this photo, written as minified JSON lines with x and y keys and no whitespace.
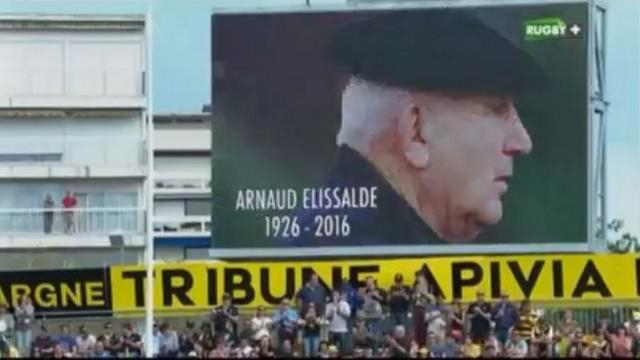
{"x":619,"y":241}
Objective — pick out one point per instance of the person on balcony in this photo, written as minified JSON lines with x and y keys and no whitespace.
{"x":48,"y":213}
{"x":69,"y":203}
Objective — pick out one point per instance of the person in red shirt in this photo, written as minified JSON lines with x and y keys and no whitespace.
{"x":69,"y":202}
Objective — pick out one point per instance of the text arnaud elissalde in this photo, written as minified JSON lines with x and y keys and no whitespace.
{"x":308,"y":198}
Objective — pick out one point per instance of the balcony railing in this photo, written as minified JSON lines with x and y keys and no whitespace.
{"x":184,"y":225}
{"x":78,"y":152}
{"x":72,"y":83}
{"x":173,"y":184}
{"x":72,"y":221}
{"x":183,"y":139}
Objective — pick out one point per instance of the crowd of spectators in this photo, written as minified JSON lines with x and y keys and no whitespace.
{"x":402,"y":321}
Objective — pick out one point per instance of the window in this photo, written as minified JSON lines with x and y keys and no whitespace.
{"x":197,"y":208}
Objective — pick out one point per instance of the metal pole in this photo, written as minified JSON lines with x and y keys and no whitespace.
{"x":150,"y":182}
{"x":603,"y":181}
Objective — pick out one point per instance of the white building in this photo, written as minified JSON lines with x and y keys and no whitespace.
{"x":182,"y":192}
{"x":72,"y":118}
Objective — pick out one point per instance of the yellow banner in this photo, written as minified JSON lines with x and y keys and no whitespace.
{"x":549,"y":278}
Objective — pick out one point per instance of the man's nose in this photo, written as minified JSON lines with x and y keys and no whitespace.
{"x":518,"y":140}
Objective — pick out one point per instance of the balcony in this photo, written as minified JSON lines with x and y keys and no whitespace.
{"x":78,"y":88}
{"x":182,"y":140}
{"x":81,"y":227}
{"x":40,"y":157}
{"x":182,"y":226}
{"x":181,"y":186}
{"x":183,"y":231}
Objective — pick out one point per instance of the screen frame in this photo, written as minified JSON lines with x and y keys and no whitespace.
{"x":589,"y":244}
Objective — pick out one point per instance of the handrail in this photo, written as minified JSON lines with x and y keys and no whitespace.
{"x":62,"y":210}
{"x":203,"y":223}
{"x":170,"y":182}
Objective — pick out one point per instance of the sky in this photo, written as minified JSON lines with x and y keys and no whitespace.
{"x":181,"y":68}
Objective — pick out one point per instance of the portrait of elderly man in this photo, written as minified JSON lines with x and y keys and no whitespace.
{"x":429,"y":120}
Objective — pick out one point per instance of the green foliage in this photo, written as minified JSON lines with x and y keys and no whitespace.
{"x":619,"y":241}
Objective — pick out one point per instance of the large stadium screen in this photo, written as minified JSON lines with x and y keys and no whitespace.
{"x":405,"y":131}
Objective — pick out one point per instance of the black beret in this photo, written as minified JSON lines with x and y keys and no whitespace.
{"x":436,"y":49}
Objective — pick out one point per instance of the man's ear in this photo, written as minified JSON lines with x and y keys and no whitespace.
{"x":413,"y":143}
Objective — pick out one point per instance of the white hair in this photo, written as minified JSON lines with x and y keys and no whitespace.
{"x":367,"y":112}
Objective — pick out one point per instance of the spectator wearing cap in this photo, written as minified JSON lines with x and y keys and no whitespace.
{"x":480,"y":315}
{"x":505,"y":316}
{"x":285,"y":321}
{"x":338,"y":313}
{"x":226,"y":318}
{"x":7,"y":324}
{"x":312,"y":292}
{"x":399,"y":300}
{"x":416,"y":78}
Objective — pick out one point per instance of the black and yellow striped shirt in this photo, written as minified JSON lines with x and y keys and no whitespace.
{"x":526,"y":324}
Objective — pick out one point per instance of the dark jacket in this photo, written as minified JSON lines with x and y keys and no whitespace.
{"x":391,"y":222}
